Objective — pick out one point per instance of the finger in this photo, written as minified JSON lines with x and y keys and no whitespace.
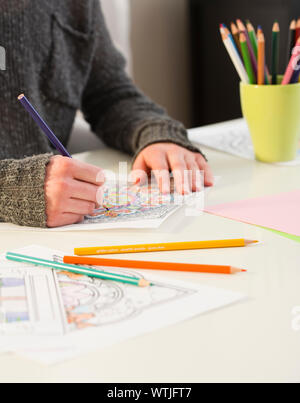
{"x":208,"y":175}
{"x":83,"y":191}
{"x":194,"y":173}
{"x":64,"y":219}
{"x":140,"y":170}
{"x":88,"y":173}
{"x":140,"y":164}
{"x":160,"y":170}
{"x":179,"y":170}
{"x":79,"y":207}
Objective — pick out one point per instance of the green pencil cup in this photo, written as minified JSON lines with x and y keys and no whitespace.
{"x":273,"y":116}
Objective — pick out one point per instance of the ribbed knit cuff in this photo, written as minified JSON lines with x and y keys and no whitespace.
{"x":164,"y":132}
{"x":22,"y":196}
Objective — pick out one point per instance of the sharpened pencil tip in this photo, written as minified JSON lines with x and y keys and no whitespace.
{"x":144,"y":283}
{"x":250,"y":242}
{"x":21,"y":97}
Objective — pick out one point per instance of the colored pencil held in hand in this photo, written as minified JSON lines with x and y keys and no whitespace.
{"x":43,"y":126}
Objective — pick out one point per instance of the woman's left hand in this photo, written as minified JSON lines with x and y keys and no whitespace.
{"x":163,"y":158}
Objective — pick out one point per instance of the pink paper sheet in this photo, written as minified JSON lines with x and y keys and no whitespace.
{"x":280,"y":212}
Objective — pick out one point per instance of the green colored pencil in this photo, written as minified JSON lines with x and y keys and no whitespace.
{"x":252,"y":36}
{"x":247,"y":59}
{"x":78,"y":270}
{"x":275,"y":52}
{"x":291,"y":44}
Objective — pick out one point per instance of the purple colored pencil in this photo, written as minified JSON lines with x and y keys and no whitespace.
{"x":251,"y":52}
{"x":295,"y":76}
{"x":43,"y":125}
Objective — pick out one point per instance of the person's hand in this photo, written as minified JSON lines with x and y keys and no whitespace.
{"x":165,"y":157}
{"x":72,"y":190}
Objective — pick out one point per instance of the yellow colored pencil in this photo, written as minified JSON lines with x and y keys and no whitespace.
{"x":162,"y":247}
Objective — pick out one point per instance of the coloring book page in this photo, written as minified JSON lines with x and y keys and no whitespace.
{"x":231,"y":137}
{"x":30,"y":303}
{"x":128,"y":206}
{"x":100,"y":313}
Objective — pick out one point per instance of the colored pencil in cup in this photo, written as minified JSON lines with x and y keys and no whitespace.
{"x":267,"y":74}
{"x":252,"y":36}
{"x":135,"y":264}
{"x":43,"y":125}
{"x":236,"y":36}
{"x":261,"y":59}
{"x":162,"y":247}
{"x":275,"y":52}
{"x":297,"y":31}
{"x":231,"y":49}
{"x":293,"y":65}
{"x":296,"y":74}
{"x":243,"y":30}
{"x":230,"y":36}
{"x":291,"y":43}
{"x":16,"y":257}
{"x":247,"y":59}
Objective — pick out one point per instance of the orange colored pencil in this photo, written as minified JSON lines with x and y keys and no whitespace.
{"x":261,"y":59}
{"x":136,"y":264}
{"x":236,"y":36}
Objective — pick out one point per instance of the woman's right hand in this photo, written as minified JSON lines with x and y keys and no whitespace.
{"x":72,"y":190}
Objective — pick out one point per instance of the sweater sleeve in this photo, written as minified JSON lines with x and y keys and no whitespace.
{"x":22,"y":198}
{"x":118,"y":112}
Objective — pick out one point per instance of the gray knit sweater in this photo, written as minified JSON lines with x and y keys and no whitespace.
{"x":59,"y":53}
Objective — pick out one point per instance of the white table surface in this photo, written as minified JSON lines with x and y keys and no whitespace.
{"x":249,"y":341}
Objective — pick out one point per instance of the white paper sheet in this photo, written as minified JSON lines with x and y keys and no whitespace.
{"x":30,"y":303}
{"x":102,"y":313}
{"x":231,"y":137}
{"x":141,"y":210}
